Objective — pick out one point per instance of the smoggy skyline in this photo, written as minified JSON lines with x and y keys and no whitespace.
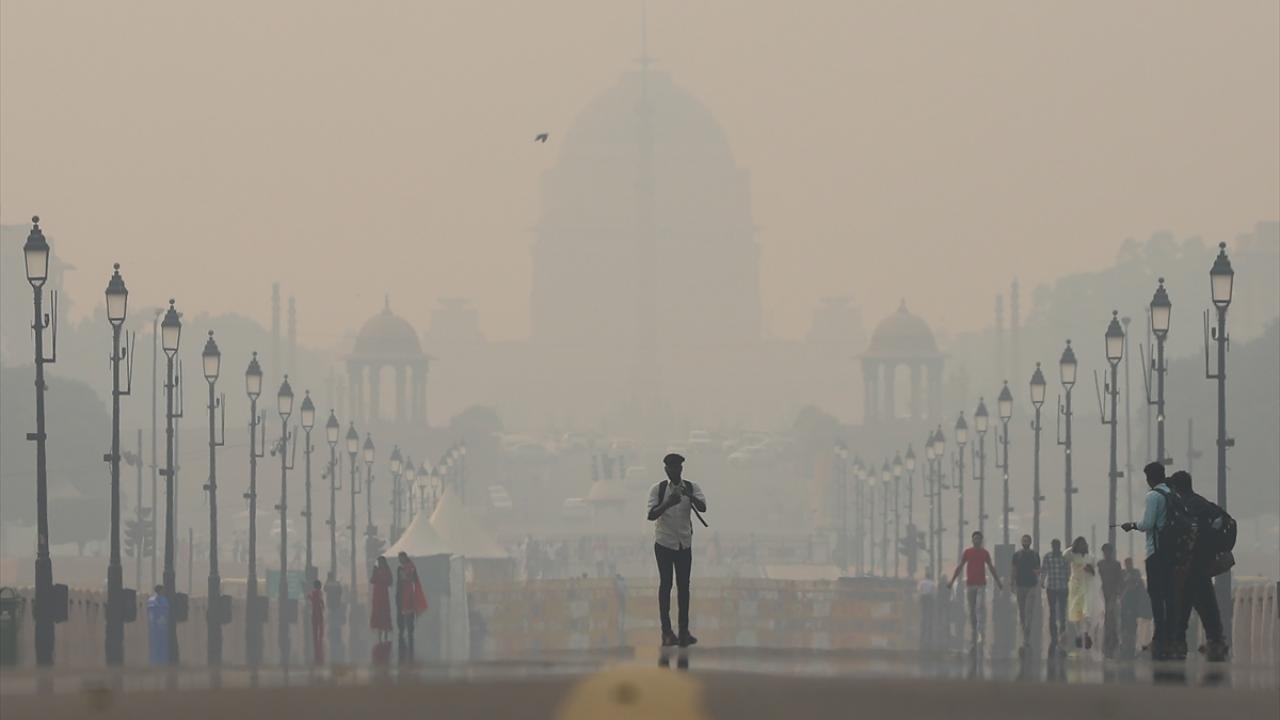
{"x":348,"y":151}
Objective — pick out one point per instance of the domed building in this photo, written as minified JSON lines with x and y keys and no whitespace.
{"x":902,"y":341}
{"x":645,"y":233}
{"x":387,"y":342}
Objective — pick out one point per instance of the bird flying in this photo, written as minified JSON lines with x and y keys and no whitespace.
{"x":541,"y":137}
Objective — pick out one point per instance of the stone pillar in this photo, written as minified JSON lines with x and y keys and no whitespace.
{"x":935,"y":388}
{"x":375,"y":393}
{"x":355,"y":389}
{"x":870,"y":390}
{"x":402,"y":404}
{"x":890,"y":397}
{"x":915,"y":390}
{"x":420,"y":393}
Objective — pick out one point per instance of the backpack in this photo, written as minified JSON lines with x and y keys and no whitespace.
{"x":1177,"y":537}
{"x":1216,"y":537}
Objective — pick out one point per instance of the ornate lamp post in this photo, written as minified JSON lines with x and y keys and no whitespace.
{"x":215,"y":613}
{"x":871,"y":519}
{"x":962,"y":439}
{"x":396,"y":466}
{"x":859,"y":542}
{"x":284,"y":405}
{"x":353,"y":449}
{"x":1004,"y":405}
{"x":307,"y":417}
{"x":1037,"y":401}
{"x":896,"y":468}
{"x":117,"y":307}
{"x":254,"y":612}
{"x":939,"y":455}
{"x":1161,"y":312}
{"x":1221,"y":285}
{"x":981,"y":423}
{"x":931,"y":493}
{"x":1067,"y":374}
{"x":370,"y":531}
{"x":333,"y":589}
{"x":841,"y":458}
{"x":1115,"y":353}
{"x":170,"y":335}
{"x":913,"y":543}
{"x":36,"y":254}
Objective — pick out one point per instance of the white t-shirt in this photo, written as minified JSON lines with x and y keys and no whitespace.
{"x":674,"y":528}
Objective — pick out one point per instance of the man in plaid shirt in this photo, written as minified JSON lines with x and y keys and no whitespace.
{"x":1054,"y":575}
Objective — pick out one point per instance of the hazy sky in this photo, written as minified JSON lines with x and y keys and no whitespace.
{"x":890,"y":144}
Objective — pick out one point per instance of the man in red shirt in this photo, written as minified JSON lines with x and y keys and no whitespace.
{"x":975,"y":562}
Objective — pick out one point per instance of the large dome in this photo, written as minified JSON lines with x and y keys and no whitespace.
{"x":645,"y":178}
{"x":902,"y":335}
{"x":387,"y":336}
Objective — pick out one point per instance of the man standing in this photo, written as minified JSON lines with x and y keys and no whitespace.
{"x":1112,"y":577}
{"x":1159,"y":567}
{"x":158,"y":626}
{"x":672,"y":504}
{"x":1196,"y":591}
{"x":315,"y":599}
{"x":975,"y":562}
{"x":1055,"y":576}
{"x":1026,"y":584}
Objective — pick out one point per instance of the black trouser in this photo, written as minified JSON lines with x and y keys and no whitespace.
{"x":404,"y":630}
{"x":1111,"y":625}
{"x":1160,"y":590}
{"x":682,"y":562}
{"x":1057,"y":615}
{"x":1197,"y":593}
{"x":1028,"y":597}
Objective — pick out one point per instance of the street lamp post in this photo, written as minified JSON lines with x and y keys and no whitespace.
{"x":1067,"y":374}
{"x":370,"y":531}
{"x":211,"y":360}
{"x":284,"y":405}
{"x":396,"y":465}
{"x":353,"y":449}
{"x":36,"y":254}
{"x":886,"y":475}
{"x":962,"y":439}
{"x":254,"y":612}
{"x":1115,"y":353}
{"x":871,"y":519}
{"x":859,"y":545}
{"x":333,"y":589}
{"x":1160,"y":315}
{"x":1037,"y":401}
{"x":170,"y":335}
{"x":1221,"y":284}
{"x":897,"y":512}
{"x":932,"y":494}
{"x":939,"y":454}
{"x":909,"y":464}
{"x":117,"y":306}
{"x":1004,"y":405}
{"x":307,"y":413}
{"x":981,"y":423}
{"x":841,"y":456}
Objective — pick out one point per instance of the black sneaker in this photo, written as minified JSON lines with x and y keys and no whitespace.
{"x":686,"y":639}
{"x":1217,"y":651}
{"x":669,"y":639}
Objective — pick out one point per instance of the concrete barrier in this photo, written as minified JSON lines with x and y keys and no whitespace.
{"x":1255,"y":628}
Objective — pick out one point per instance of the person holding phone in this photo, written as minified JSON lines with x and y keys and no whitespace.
{"x":672,"y":506}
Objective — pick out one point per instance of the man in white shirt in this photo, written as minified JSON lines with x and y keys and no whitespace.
{"x":672,"y":504}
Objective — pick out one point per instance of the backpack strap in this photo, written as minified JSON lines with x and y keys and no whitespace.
{"x":662,"y":491}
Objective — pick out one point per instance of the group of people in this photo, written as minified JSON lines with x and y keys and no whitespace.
{"x":410,"y":602}
{"x":1188,"y":541}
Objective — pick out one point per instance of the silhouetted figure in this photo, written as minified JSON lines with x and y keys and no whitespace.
{"x":1159,"y":564}
{"x":1055,"y":577}
{"x":672,"y":505}
{"x":158,"y":626}
{"x":1112,"y":576}
{"x":1026,"y":588}
{"x":315,"y":599}
{"x":1196,"y":591}
{"x":1134,"y":605}
{"x":380,"y":604}
{"x":410,"y":603}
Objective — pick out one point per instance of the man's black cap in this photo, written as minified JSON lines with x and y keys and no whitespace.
{"x":673,"y":459}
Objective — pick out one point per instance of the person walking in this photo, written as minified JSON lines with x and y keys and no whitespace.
{"x":315,"y":599}
{"x":158,"y":626}
{"x":380,"y":605}
{"x":1079,"y":589}
{"x":1055,"y":575}
{"x":1026,"y":586}
{"x":1159,"y":565}
{"x":1112,"y":577}
{"x":975,"y":561}
{"x":672,"y":505}
{"x":1196,"y":590}
{"x":410,"y":603}
{"x":1134,"y":605}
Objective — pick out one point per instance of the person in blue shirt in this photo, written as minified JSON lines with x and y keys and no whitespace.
{"x":158,"y":626}
{"x":1159,"y":566}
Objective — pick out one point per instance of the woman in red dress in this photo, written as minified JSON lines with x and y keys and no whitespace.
{"x":381,"y":611}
